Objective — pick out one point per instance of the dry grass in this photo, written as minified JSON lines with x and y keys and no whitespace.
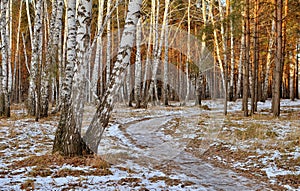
{"x":28,"y":185}
{"x":58,"y":160}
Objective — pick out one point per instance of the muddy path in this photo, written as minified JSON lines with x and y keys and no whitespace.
{"x":160,"y":143}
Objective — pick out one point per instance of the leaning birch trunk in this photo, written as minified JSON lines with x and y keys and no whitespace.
{"x":103,"y":113}
{"x":29,"y":23}
{"x":97,"y":70}
{"x":216,"y":42}
{"x":35,"y":59}
{"x":82,"y":58}
{"x":138,"y":66}
{"x":4,"y":97}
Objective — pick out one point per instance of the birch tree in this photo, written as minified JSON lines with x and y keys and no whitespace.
{"x":188,"y":53}
{"x":138,"y":66}
{"x":68,"y":139}
{"x":4,"y":94}
{"x":35,"y":60}
{"x":98,"y":69}
{"x":103,"y":113}
{"x":47,"y":76}
{"x":82,"y":58}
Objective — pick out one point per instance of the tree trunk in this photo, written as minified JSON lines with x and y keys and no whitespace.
{"x":98,"y":67}
{"x":103,"y":113}
{"x":138,"y":66}
{"x":35,"y":60}
{"x":256,"y":60}
{"x":166,"y":60}
{"x":68,"y":139}
{"x":247,"y":60}
{"x":268,"y":64}
{"x":47,"y":75}
{"x":84,"y":17}
{"x":4,"y":94}
{"x":278,"y":60}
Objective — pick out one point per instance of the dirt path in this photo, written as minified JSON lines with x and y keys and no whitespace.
{"x":159,"y":143}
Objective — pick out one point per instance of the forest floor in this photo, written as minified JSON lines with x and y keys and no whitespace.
{"x":160,"y":148}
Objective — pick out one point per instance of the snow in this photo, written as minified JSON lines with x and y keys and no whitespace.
{"x":154,"y":143}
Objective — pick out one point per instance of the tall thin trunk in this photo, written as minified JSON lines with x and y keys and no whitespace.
{"x":138,"y":66}
{"x":232,"y":60}
{"x":268,"y":64}
{"x":35,"y":60}
{"x":247,"y":60}
{"x":188,"y":54}
{"x":278,"y":60}
{"x":97,"y":71}
{"x":256,"y":60}
{"x":16,"y":89}
{"x":166,"y":60}
{"x":145,"y":91}
{"x":47,"y":74}
{"x":241,"y":61}
{"x":29,"y":22}
{"x":4,"y":94}
{"x":108,"y":45}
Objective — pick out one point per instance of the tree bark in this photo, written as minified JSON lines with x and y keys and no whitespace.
{"x":278,"y":60}
{"x":68,"y":141}
{"x":247,"y":60}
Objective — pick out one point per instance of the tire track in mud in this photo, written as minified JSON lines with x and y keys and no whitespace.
{"x":159,"y":143}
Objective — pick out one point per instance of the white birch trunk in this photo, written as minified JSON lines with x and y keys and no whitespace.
{"x":47,"y":75}
{"x":241,"y":58}
{"x":29,"y":22}
{"x":147,"y":64}
{"x":158,"y":49}
{"x":82,"y":58}
{"x":188,"y":55}
{"x":138,"y":66}
{"x":67,"y":137}
{"x":35,"y":59}
{"x":217,"y":43}
{"x":108,"y":46}
{"x":166,"y":60}
{"x":98,"y":71}
{"x":102,"y":115}
{"x":4,"y":96}
{"x":17,"y":57}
